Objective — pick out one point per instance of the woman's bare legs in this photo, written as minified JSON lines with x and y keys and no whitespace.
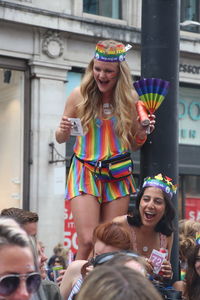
{"x":86,"y":215}
{"x":115,"y":208}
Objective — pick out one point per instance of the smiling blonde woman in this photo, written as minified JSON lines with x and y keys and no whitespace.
{"x":99,"y":181}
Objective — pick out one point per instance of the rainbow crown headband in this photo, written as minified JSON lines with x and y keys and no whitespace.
{"x":162,"y":182}
{"x":112,"y":54}
{"x":197,"y":238}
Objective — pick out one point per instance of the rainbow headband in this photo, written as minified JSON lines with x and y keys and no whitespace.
{"x":162,"y":182}
{"x":112,"y":54}
{"x":197,"y":238}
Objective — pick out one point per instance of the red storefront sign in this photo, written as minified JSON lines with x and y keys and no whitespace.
{"x":192,"y":209}
{"x":70,"y":235}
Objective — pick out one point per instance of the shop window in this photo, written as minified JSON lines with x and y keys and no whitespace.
{"x":189,"y":114}
{"x":15,"y":103}
{"x":11,"y":135}
{"x":106,"y":8}
{"x":190,"y":190}
{"x":190,"y":10}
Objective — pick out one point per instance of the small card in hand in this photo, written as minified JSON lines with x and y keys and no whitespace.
{"x":77,"y":128}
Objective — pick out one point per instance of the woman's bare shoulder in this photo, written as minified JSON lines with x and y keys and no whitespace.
{"x":73,"y":100}
{"x":75,"y":96}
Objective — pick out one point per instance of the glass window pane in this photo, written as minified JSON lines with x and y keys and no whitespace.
{"x":91,"y":6}
{"x":11,"y":133}
{"x":189,"y":116}
{"x":190,"y":10}
{"x":107,"y":8}
{"x":192,"y":197}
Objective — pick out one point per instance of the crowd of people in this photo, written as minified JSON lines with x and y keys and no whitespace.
{"x":120,"y":255}
{"x":108,"y":272}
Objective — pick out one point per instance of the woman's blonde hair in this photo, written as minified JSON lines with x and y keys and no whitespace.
{"x":125,"y":112}
{"x":187,"y":237}
{"x":116,"y":283}
{"x":12,"y":234}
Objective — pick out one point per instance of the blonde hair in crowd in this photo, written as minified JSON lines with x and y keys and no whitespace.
{"x":187,"y":236}
{"x":116,"y":283}
{"x":12,"y":234}
{"x":124,"y":110}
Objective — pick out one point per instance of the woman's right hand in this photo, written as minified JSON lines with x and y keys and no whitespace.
{"x":63,"y":131}
{"x":65,"y":125}
{"x":149,"y":266}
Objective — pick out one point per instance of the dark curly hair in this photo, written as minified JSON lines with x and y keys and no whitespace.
{"x":165,"y":225}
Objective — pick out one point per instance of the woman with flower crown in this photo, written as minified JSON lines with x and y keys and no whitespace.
{"x":151,"y":223}
{"x":99,"y":180}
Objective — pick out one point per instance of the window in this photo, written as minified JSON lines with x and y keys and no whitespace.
{"x":190,"y":10}
{"x":190,"y":187}
{"x":15,"y":133}
{"x":106,"y":8}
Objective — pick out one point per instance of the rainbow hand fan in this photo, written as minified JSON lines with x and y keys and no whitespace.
{"x":152,"y":92}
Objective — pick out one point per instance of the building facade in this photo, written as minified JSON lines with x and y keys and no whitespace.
{"x":44,"y":49}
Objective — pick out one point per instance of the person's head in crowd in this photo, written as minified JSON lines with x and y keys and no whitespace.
{"x":161,"y":188}
{"x":42,"y":259}
{"x":187,"y":237}
{"x":193,"y":274}
{"x":126,"y":258}
{"x":19,"y":278}
{"x":116,"y":283}
{"x":57,"y":261}
{"x":28,"y":220}
{"x":107,"y":237}
{"x":110,"y":236}
{"x":59,"y":250}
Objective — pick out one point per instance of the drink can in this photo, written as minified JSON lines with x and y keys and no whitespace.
{"x":56,"y":272}
{"x":165,"y":251}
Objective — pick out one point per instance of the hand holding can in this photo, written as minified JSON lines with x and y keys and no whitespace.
{"x":142,"y":113}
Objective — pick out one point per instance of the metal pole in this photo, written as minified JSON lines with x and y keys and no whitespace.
{"x":160,"y":59}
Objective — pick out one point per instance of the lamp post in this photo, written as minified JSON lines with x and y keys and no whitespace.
{"x":160,"y":59}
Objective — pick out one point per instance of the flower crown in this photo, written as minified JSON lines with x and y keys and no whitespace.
{"x":112,"y":54}
{"x":162,"y":182}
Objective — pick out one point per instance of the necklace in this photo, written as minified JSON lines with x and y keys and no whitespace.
{"x":107,"y":108}
{"x":145,"y":249}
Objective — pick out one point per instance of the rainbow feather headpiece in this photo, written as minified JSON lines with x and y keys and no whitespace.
{"x":162,"y":182}
{"x":112,"y":54}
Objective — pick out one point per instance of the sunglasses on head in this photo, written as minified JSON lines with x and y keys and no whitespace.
{"x":10,"y":283}
{"x":105,"y":257}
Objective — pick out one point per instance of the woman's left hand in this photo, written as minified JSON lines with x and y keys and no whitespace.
{"x":166,"y":270}
{"x":144,"y":130}
{"x":152,"y":123}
